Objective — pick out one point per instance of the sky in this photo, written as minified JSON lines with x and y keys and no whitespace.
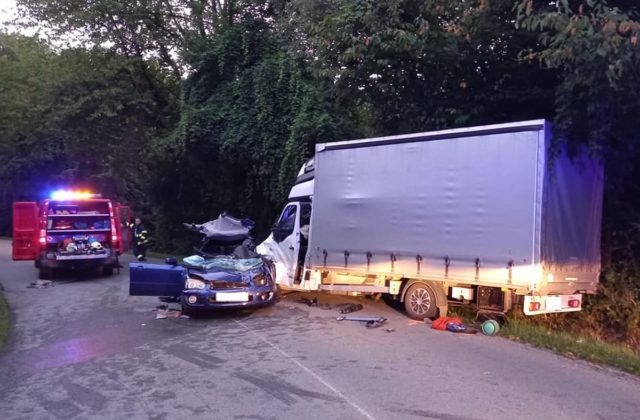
{"x":7,"y":8}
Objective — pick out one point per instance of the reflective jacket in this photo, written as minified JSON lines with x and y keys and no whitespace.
{"x":140,"y":234}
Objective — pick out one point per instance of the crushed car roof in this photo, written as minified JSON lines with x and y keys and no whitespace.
{"x":224,"y":228}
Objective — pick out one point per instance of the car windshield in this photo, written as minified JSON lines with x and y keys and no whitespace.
{"x":223,"y":262}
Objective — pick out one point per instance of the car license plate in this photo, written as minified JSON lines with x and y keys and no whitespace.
{"x":232,"y":297}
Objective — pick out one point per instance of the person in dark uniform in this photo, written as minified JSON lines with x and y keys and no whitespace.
{"x":141,"y":239}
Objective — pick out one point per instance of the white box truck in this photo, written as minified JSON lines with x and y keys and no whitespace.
{"x":483,"y":215}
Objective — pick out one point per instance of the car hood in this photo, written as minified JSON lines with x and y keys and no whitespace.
{"x":221,"y":276}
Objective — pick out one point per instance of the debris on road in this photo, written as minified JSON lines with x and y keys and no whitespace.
{"x":350,"y":307}
{"x":344,"y":308}
{"x":309,"y":302}
{"x":452,"y":324}
{"x":41,"y":284}
{"x":441,"y":323}
{"x":371,"y":321}
{"x":168,"y":313}
{"x":490,"y":327}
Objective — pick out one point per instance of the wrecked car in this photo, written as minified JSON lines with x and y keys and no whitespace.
{"x":224,"y":272}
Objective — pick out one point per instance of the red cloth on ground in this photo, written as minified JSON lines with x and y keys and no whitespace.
{"x":441,"y":323}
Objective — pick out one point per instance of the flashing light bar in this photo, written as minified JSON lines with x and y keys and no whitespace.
{"x":62,"y":195}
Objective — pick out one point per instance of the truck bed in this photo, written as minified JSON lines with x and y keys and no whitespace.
{"x":482,"y":205}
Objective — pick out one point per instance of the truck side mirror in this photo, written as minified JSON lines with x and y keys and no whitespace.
{"x":171,"y":261}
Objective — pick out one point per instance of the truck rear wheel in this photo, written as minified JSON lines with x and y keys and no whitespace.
{"x":420,"y":301}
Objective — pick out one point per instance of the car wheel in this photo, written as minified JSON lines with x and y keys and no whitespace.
{"x":420,"y":301}
{"x":186,"y":310}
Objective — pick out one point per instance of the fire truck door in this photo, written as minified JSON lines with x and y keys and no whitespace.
{"x":123,"y":216}
{"x":25,"y":231}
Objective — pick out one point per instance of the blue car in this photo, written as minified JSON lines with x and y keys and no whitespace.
{"x":224,"y":272}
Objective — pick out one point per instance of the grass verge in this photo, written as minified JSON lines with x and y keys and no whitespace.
{"x":573,"y":346}
{"x":4,"y":319}
{"x":564,"y":343}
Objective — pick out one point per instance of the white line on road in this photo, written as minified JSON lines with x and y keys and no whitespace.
{"x":310,"y":372}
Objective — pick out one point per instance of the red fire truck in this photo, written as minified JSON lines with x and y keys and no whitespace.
{"x":72,"y":229}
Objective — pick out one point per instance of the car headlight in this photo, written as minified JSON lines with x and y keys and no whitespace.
{"x":194,"y":284}
{"x":260,"y":279}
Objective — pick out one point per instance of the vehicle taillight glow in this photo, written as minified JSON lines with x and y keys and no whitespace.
{"x":114,"y":231}
{"x":534,"y":306}
{"x":43,"y":237}
{"x":574,"y":303}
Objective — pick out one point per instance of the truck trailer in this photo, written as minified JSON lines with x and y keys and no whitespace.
{"x":492,"y":216}
{"x":71,"y":229}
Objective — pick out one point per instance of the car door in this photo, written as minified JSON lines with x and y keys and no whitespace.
{"x":25,"y":244}
{"x":156,"y":279}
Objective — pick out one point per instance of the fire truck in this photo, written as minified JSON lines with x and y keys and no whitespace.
{"x":71,"y":229}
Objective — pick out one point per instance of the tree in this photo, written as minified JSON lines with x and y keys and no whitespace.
{"x":252,"y":112}
{"x":156,"y":30}
{"x":594,"y":47}
{"x":76,"y":117}
{"x":417,"y":65}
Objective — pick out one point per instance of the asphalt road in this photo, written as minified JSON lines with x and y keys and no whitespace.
{"x":85,"y":349}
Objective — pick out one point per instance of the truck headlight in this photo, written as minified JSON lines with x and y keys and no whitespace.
{"x":260,"y":279}
{"x":194,"y":284}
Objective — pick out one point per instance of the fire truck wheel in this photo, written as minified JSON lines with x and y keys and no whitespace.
{"x":420,"y":301}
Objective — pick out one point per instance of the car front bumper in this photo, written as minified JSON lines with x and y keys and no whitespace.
{"x":228,"y":298}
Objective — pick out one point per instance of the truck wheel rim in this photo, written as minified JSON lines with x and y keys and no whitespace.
{"x":420,"y":301}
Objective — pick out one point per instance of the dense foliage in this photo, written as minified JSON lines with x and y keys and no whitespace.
{"x":594,"y":45}
{"x":185,"y":109}
{"x":85,"y":117}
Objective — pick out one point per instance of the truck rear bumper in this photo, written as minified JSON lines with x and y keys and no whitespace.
{"x":79,"y":261}
{"x":536,"y":305}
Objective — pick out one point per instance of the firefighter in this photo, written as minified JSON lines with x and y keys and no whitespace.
{"x":141,"y":239}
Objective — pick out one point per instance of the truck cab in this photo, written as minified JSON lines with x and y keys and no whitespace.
{"x":288,"y":242}
{"x":70,"y":230}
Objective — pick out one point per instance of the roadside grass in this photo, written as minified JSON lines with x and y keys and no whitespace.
{"x":4,"y":319}
{"x":573,"y":346}
{"x":568,"y":344}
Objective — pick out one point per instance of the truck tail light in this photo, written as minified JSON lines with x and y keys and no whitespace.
{"x":574,"y":303}
{"x":534,"y":306}
{"x":43,"y":237}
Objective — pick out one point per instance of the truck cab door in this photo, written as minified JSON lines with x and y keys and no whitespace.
{"x":25,"y":244}
{"x":123,"y":218}
{"x":283,"y":246}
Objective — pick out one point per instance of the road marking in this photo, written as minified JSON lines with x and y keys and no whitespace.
{"x":309,"y":371}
